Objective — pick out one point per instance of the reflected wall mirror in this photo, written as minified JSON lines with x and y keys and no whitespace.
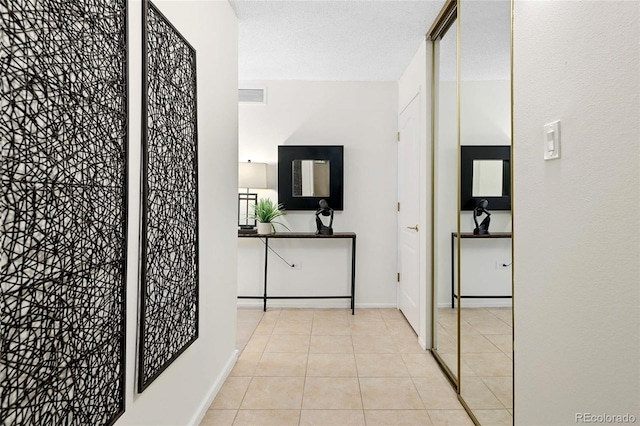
{"x":309,"y":173}
{"x":486,"y":174}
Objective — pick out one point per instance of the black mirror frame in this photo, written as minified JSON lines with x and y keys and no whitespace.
{"x":288,"y":153}
{"x":484,"y":152}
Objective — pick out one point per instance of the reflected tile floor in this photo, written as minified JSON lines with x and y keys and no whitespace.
{"x":327,"y":367}
{"x":486,"y":362}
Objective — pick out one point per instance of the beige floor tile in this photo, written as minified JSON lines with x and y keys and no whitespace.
{"x":407,"y":344}
{"x":296,"y":314}
{"x":331,"y":345}
{"x":331,"y":314}
{"x":477,"y":343}
{"x":421,"y":365}
{"x":246,"y":364}
{"x":276,"y":393}
{"x":267,"y":418}
{"x":368,"y":327}
{"x":504,"y":342}
{"x":437,"y":393}
{"x":288,"y":343}
{"x":389,"y":394}
{"x":400,"y":326}
{"x":476,"y":314}
{"x":502,"y":388}
{"x":369,"y":313}
{"x":331,"y":393}
{"x":332,"y":417}
{"x":257,"y":343}
{"x":272,"y":313}
{"x":331,"y":327}
{"x":374,"y":345}
{"x":467,"y":329}
{"x":380,"y":365}
{"x":218,"y":418}
{"x":493,"y":417}
{"x":331,"y":365}
{"x":397,"y":417}
{"x":491,"y":326}
{"x":231,"y":394}
{"x":489,"y":364}
{"x":450,"y":418}
{"x":451,"y":361}
{"x":477,"y":395}
{"x":446,"y":343}
{"x":265,"y":328}
{"x":282,"y":365}
{"x":391,"y":314}
{"x":293,"y":327}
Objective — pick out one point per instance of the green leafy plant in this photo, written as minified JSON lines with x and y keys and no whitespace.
{"x":266,"y":211}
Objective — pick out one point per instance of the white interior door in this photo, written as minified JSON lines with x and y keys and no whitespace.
{"x":409,"y":213}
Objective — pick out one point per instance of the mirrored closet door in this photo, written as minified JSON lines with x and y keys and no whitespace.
{"x":486,"y":335}
{"x":472,"y":220}
{"x":444,"y":35}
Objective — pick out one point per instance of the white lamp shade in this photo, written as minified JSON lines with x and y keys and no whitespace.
{"x":252,"y":175}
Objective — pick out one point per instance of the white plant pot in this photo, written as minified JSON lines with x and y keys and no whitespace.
{"x":265,"y":228}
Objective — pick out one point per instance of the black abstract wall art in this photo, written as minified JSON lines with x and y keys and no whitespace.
{"x":63,"y":211}
{"x":169,"y":230}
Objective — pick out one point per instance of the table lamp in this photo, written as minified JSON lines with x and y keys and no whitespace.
{"x":250,"y":175}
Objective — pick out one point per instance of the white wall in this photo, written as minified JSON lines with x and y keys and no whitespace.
{"x":363,"y":118}
{"x":576,"y":223}
{"x":416,"y":79}
{"x":181,"y":393}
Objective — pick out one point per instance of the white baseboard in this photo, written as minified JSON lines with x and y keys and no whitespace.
{"x":311,"y":304}
{"x":215,"y":388}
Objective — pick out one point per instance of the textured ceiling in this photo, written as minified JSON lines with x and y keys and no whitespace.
{"x":345,"y":40}
{"x":366,"y":40}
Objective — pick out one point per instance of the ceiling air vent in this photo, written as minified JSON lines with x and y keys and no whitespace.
{"x":252,"y":96}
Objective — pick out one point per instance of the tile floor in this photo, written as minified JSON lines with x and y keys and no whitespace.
{"x":486,"y":351}
{"x":326,"y":367}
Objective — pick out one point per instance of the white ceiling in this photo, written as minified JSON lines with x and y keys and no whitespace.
{"x":366,"y":40}
{"x":345,"y":40}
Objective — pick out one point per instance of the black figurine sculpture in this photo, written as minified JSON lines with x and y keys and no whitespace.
{"x":483,"y":228}
{"x":324,"y":210}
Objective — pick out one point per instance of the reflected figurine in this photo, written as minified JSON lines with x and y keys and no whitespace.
{"x":324,"y":210}
{"x":483,"y":228}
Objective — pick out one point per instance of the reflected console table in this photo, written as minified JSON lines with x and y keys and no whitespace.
{"x":305,"y":235}
{"x":464,"y":235}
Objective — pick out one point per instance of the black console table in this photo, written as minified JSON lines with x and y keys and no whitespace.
{"x":472,"y":235}
{"x":305,"y":235}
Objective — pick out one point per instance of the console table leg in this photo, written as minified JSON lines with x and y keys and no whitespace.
{"x":353,"y":276}
{"x":266,"y":257}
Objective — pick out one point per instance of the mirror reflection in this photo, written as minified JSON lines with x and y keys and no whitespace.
{"x":310,"y":178}
{"x":445,"y":193}
{"x":487,"y":178}
{"x":485,"y":285}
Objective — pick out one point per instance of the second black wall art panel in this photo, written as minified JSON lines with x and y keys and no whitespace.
{"x":169,"y":228}
{"x":63,"y":211}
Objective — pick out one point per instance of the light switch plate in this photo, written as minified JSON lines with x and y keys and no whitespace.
{"x":551,"y":139}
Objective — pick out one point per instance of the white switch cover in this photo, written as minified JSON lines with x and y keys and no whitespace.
{"x":552,"y":140}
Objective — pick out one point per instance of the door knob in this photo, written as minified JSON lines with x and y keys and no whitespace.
{"x":415,"y":228}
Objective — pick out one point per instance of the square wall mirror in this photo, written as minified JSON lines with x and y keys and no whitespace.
{"x":486,"y":174}
{"x":308,"y":174}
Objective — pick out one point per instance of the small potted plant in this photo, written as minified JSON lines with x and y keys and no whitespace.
{"x":265,"y":211}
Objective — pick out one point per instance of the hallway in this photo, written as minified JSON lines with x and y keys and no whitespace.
{"x":326,"y":367}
